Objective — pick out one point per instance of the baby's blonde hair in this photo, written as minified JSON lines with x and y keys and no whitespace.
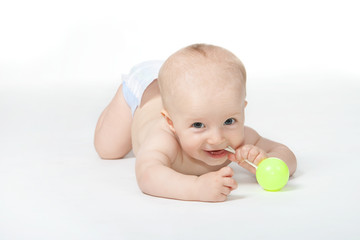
{"x":186,"y":59}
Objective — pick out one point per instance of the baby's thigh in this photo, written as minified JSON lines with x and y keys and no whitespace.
{"x":113,"y":130}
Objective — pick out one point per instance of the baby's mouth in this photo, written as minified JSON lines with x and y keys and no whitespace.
{"x":217,"y":153}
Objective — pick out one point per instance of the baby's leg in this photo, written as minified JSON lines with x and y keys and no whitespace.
{"x":113,"y":130}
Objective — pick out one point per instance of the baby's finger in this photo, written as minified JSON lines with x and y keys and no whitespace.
{"x":226,"y":191}
{"x":226,"y":172}
{"x":253,"y":154}
{"x":232,"y":157}
{"x":260,"y":157}
{"x":244,"y":152}
{"x":230,"y":183}
{"x":248,"y":167}
{"x":238,"y":156}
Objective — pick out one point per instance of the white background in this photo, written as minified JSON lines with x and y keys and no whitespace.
{"x":97,"y":40}
{"x":61,"y":63}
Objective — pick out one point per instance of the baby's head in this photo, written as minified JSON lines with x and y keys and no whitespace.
{"x":199,"y":69}
{"x":203,"y":93}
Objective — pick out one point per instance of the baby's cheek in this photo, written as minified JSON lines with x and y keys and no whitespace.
{"x":189,"y":145}
{"x":237,"y":139}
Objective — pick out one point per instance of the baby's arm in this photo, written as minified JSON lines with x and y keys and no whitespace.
{"x":156,"y":177}
{"x":257,"y":148}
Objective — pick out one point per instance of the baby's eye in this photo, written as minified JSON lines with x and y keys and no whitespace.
{"x":198,"y":125}
{"x":229,"y":121}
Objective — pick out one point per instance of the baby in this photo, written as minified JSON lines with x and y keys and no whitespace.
{"x":178,"y":120}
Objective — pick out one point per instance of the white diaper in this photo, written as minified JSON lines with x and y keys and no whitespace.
{"x":139,"y":78}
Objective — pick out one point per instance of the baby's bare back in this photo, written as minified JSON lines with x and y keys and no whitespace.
{"x":147,"y":116}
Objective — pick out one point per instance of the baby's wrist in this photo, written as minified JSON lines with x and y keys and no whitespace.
{"x":195,"y":188}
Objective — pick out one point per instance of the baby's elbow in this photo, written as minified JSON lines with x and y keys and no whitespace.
{"x":292,"y":165}
{"x":144,"y":178}
{"x":293,"y":168}
{"x":144,"y":181}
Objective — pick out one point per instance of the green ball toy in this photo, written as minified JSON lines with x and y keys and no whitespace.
{"x":272,"y":174}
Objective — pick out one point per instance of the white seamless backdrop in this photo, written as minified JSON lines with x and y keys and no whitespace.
{"x":97,"y":40}
{"x":61,"y":63}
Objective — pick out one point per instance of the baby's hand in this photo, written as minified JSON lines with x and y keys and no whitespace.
{"x":216,"y":186}
{"x":249,"y":152}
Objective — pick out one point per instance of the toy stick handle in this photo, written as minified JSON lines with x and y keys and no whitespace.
{"x":230,"y":149}
{"x":250,"y":163}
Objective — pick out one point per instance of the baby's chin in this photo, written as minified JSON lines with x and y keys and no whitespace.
{"x":209,"y":159}
{"x":217,"y":161}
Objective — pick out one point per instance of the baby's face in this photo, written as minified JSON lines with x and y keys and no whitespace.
{"x":209,"y":118}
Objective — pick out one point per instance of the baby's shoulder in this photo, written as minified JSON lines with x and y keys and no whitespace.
{"x":162,"y":141}
{"x":251,"y":136}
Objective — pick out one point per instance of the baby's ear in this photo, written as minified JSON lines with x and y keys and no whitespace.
{"x":170,"y":123}
{"x":245,"y":104}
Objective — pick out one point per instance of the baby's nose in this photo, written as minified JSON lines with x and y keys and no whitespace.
{"x":215,"y":137}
